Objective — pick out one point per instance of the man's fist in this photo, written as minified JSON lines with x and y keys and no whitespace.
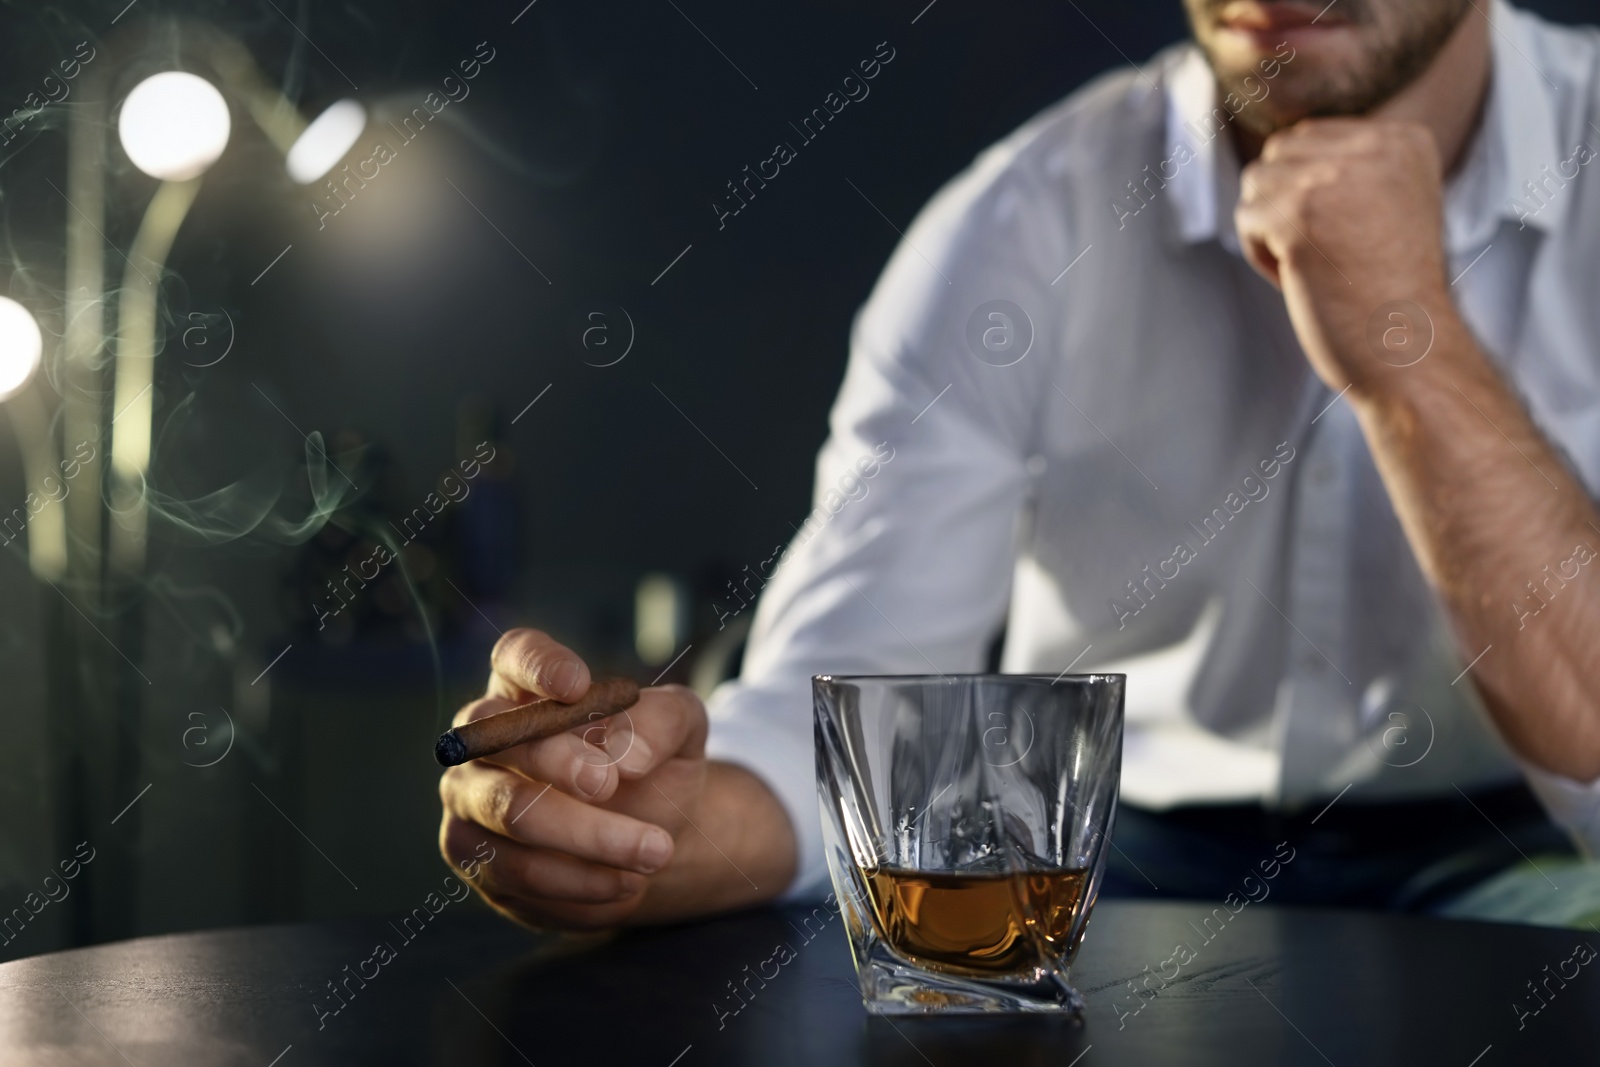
{"x":1344,"y":215}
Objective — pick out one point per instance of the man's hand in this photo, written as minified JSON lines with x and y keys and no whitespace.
{"x":600,"y":826}
{"x":1344,"y":215}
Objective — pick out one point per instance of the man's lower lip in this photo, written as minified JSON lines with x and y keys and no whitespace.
{"x":1269,"y":38}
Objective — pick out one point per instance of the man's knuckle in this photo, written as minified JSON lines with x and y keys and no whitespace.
{"x":500,"y":796}
{"x":1293,"y":204}
{"x":521,"y":635}
{"x":519,"y":645}
{"x":527,"y":661}
{"x":508,"y":641}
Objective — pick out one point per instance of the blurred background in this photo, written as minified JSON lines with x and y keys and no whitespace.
{"x":318,"y":402}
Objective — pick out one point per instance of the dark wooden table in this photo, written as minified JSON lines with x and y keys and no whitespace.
{"x":1274,"y":986}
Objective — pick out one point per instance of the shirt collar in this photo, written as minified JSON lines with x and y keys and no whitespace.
{"x":1517,"y":136}
{"x":1196,"y":125}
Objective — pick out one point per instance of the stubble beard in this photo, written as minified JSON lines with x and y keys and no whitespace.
{"x":1404,"y":38}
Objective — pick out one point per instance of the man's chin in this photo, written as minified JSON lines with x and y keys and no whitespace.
{"x":1261,"y":122}
{"x":1288,"y":82}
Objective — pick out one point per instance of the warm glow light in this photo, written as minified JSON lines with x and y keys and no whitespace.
{"x":174,"y":125}
{"x":21,"y":344}
{"x":659,"y":611}
{"x":326,"y":140}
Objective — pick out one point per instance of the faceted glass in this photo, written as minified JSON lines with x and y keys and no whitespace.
{"x":966,"y":819}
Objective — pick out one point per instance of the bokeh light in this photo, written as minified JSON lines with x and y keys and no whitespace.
{"x":174,"y":125}
{"x":326,"y":140}
{"x":21,"y":345}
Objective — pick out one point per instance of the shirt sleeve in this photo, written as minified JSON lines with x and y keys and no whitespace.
{"x":904,"y":563}
{"x":1573,"y":805}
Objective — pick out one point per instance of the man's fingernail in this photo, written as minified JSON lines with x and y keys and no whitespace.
{"x":639,"y":756}
{"x":654,"y":850}
{"x":591,"y":778}
{"x":560,"y":677}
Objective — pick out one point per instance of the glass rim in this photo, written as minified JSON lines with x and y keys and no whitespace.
{"x":969,"y":676}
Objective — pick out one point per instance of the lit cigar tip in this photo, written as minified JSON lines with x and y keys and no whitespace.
{"x":450,"y":750}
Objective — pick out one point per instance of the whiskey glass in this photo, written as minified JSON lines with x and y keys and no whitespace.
{"x":966,"y":820}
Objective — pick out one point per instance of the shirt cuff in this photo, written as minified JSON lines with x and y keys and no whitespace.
{"x":1574,"y":805}
{"x":768,"y":731}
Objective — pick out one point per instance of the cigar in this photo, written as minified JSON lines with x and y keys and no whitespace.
{"x":531,"y":722}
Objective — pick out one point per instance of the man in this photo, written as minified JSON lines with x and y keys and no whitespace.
{"x":1307,"y":448}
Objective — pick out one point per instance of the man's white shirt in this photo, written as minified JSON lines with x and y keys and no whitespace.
{"x":1133,"y":469}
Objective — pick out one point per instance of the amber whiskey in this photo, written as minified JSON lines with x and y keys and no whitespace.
{"x":979,"y":924}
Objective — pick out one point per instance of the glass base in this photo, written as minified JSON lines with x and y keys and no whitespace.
{"x":891,"y":986}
